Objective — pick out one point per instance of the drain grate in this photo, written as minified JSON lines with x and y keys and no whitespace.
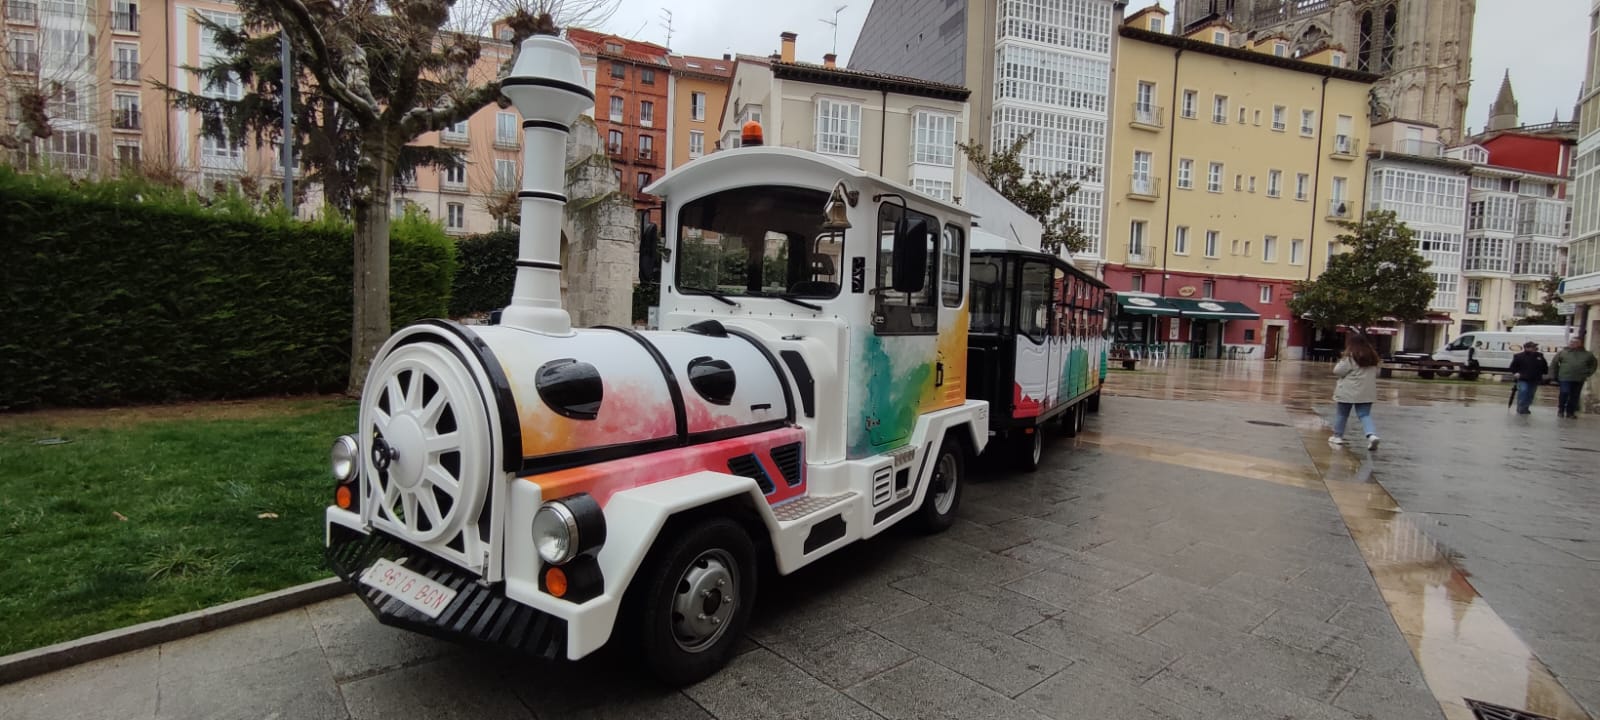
{"x":1267,"y":423}
{"x":1491,"y":711}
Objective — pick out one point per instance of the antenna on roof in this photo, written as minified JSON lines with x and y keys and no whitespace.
{"x":666,"y":22}
{"x":834,"y":23}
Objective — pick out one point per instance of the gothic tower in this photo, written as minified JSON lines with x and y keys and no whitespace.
{"x":1503,"y":113}
{"x":1422,"y":48}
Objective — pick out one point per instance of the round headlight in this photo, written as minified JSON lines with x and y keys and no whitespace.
{"x":555,"y":533}
{"x":342,"y":459}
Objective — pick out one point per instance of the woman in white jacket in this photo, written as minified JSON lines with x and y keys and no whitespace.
{"x":1357,"y":389}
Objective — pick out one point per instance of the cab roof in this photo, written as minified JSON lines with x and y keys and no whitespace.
{"x":777,"y":164}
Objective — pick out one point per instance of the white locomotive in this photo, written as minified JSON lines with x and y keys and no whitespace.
{"x":543,"y":488}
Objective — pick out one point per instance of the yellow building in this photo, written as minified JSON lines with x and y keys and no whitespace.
{"x":1231,"y":164}
{"x":696,"y":92}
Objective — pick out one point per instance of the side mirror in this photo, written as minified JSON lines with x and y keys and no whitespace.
{"x":649,"y":252}
{"x":910,"y":255}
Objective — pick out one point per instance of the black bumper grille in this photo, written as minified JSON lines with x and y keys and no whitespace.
{"x":479,"y":613}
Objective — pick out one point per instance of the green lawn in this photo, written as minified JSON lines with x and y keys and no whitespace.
{"x":148,"y":513}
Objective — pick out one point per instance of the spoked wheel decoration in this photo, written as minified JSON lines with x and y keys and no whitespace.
{"x":705,"y":600}
{"x":426,"y":443}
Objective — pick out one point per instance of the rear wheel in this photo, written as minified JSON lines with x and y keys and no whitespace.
{"x":1072,"y":421}
{"x":1093,"y":403}
{"x":696,"y":600}
{"x":1028,"y":448}
{"x":943,"y":498}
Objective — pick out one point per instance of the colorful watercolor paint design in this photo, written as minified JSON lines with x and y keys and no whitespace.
{"x":895,"y":379}
{"x":602,"y":480}
{"x":1037,"y":390}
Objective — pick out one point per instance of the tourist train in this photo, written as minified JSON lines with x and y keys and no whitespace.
{"x":836,"y":349}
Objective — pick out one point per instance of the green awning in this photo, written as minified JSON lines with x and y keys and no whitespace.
{"x":1214,"y":309}
{"x":1145,"y":305}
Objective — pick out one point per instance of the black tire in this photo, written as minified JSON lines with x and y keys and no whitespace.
{"x":949,"y":475}
{"x":1093,"y":403}
{"x":1072,"y":420}
{"x":670,"y":650}
{"x":1027,"y":449}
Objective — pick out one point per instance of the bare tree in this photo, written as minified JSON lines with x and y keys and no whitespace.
{"x":49,"y":84}
{"x":399,"y":69}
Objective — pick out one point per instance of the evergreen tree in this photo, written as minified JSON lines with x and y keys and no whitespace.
{"x":1378,"y":274}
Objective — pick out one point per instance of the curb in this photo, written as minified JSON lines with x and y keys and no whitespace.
{"x":30,"y":663}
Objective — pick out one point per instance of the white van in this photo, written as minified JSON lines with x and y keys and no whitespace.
{"x":1494,"y":350}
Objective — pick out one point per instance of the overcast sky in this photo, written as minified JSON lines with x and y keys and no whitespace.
{"x":1544,"y":48}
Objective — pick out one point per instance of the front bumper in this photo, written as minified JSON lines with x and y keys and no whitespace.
{"x":480,"y":613}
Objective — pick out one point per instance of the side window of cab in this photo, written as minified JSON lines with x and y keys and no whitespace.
{"x":906,"y":313}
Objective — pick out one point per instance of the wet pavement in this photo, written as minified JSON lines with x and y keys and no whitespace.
{"x":1201,"y":552}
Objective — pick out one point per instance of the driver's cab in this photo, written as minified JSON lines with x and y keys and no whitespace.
{"x":856,"y":285}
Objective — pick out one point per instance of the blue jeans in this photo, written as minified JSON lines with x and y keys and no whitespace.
{"x":1341,"y":417}
{"x":1525,"y":390}
{"x":1567,"y":403}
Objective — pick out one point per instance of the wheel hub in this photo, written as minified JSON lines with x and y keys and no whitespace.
{"x":405,"y":468}
{"x":705,"y":601}
{"x":944,"y":476}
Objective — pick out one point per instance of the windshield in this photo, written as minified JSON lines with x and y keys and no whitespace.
{"x":1461,"y":343}
{"x":764,"y":241}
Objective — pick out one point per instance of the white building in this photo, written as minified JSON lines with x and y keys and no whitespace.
{"x":1516,"y":223}
{"x":1409,"y":175}
{"x":1034,"y":66}
{"x":1582,"y":286}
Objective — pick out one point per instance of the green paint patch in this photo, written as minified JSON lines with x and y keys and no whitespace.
{"x":152,"y":516}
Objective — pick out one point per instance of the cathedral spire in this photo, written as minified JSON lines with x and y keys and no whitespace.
{"x":1503,"y":113}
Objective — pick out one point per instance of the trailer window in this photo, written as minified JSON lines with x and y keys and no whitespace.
{"x":989,"y":297}
{"x":901,"y":313}
{"x":763,"y":241}
{"x":1033,"y":319}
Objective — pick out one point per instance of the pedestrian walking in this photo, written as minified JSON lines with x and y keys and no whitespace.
{"x":1356,"y":389}
{"x":1529,"y":369}
{"x":1572,"y":367}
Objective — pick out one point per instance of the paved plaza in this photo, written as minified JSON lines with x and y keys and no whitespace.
{"x":1201,"y":552}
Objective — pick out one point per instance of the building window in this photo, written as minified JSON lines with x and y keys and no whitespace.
{"x":647,"y":76}
{"x":647,"y":113}
{"x":455,"y":216}
{"x":1141,"y":173}
{"x":1274,"y":183}
{"x":1238,"y":182}
{"x":1190,"y":99}
{"x":1185,"y":174}
{"x":1136,"y":241}
{"x":505,"y":175}
{"x":454,"y":132}
{"x":952,"y":265}
{"x":1214,"y":178}
{"x":838,"y":128}
{"x":1391,"y":34}
{"x":1208,"y":289}
{"x":1297,"y":248}
{"x":935,"y":139}
{"x":644,"y":181}
{"x":647,"y":146}
{"x":1280,"y":49}
{"x":230,"y":89}
{"x":1219,"y":109}
{"x":618,"y":71}
{"x":23,"y":51}
{"x":1266,"y":293}
{"x":1308,"y":122}
{"x":616,"y":109}
{"x":1137,"y":280}
{"x":1252,"y":183}
{"x":125,"y":67}
{"x":1155,"y":24}
{"x":126,"y":112}
{"x":1336,"y":60}
{"x":697,"y":106}
{"x":1043,"y":22}
{"x":1180,"y":240}
{"x":128,"y":153}
{"x":941,"y":189}
{"x":1302,"y":183}
{"x":1219,"y":37}
{"x":614,"y":142}
{"x":455,"y":177}
{"x":1269,"y":249}
{"x":1049,"y":77}
{"x":697,"y":144}
{"x":1280,"y":120}
{"x":1211,"y":245}
{"x":505,"y":129}
{"x":1247,"y":248}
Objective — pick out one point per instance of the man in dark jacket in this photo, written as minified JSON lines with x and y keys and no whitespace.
{"x":1528,"y":368}
{"x":1573,"y":367}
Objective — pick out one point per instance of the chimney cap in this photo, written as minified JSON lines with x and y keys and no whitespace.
{"x":787,"y":35}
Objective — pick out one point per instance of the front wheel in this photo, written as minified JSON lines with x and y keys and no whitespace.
{"x":943,"y":498}
{"x":696,"y":601}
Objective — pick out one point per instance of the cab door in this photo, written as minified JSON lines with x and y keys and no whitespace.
{"x":895,"y":369}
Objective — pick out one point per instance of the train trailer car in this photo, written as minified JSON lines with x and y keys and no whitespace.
{"x":1037,"y":347}
{"x":549,"y":489}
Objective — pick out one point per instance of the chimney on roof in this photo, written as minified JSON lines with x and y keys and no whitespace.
{"x":727,"y":56}
{"x":787,"y":53}
{"x":830,"y":60}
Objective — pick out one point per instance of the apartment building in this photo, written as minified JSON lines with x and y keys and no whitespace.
{"x":1231,"y":166}
{"x":99,"y":63}
{"x":1582,"y":285}
{"x":1410,"y":175}
{"x":901,"y":128}
{"x":631,"y":80}
{"x":697,"y":89}
{"x":1034,"y":66}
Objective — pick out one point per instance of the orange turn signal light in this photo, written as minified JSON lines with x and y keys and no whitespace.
{"x":555,"y":581}
{"x":342,"y":497}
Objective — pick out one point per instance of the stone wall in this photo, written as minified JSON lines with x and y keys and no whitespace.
{"x":600,"y":237}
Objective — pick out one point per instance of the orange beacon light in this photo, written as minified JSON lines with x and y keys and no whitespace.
{"x":750,"y":134}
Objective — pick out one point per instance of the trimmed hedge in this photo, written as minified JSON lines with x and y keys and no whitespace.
{"x":486,"y":269}
{"x":125,"y":292}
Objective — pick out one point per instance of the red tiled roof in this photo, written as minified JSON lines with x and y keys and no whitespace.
{"x":638,"y":51}
{"x":702,"y":65}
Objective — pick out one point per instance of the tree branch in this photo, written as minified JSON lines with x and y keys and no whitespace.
{"x":294,"y":15}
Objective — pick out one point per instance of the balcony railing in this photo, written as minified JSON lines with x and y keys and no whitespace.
{"x":1340,"y":209}
{"x":1147,"y":115}
{"x":645,"y":154}
{"x":1138,"y":254}
{"x":126,"y":119}
{"x":125,"y":20}
{"x":125,"y":71}
{"x":1420,"y":148}
{"x":1344,"y":146}
{"x":505,"y":142}
{"x":20,"y":11}
{"x":24,"y":61}
{"x":1144,"y":187}
{"x":616,"y":151}
{"x":453,"y":136}
{"x":448,"y":185}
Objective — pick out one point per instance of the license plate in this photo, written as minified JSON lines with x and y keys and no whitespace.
{"x":426,"y":596}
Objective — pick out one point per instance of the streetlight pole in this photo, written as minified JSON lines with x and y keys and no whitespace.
{"x":286,"y":59}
